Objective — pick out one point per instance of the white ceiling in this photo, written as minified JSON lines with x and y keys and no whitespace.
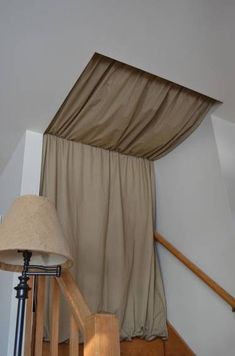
{"x":46,"y":44}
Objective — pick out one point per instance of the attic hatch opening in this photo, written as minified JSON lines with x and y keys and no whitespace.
{"x":118,"y":107}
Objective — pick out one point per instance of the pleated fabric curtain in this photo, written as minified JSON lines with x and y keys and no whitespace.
{"x":121,"y":108}
{"x":97,"y":168}
{"x":105,"y":201}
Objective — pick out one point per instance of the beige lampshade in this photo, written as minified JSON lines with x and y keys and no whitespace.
{"x":32,"y":224}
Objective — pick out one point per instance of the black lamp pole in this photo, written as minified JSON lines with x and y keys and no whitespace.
{"x":22,"y":290}
{"x":21,"y":294}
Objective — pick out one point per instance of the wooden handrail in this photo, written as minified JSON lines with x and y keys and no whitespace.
{"x":76,"y":302}
{"x":100,"y":331}
{"x":197,"y":271}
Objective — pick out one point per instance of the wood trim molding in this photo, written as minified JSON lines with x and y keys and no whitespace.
{"x":229,"y":299}
{"x":176,"y":345}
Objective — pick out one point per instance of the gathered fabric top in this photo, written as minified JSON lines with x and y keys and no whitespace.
{"x":118,"y":107}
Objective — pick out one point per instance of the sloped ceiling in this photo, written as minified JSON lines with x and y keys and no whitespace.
{"x":45,"y":45}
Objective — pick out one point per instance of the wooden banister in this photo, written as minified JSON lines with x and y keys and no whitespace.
{"x":102,"y":336}
{"x":197,"y":271}
{"x":76,"y":302}
{"x":100,"y":331}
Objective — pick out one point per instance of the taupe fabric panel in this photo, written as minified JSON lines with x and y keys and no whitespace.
{"x":121,"y":108}
{"x":105,"y":202}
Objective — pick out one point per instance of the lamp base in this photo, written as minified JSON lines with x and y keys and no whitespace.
{"x":22,"y":290}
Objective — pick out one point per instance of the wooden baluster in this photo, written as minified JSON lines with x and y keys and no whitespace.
{"x":74,"y":338}
{"x":40,"y":315}
{"x":28,"y":333}
{"x":55,"y":315}
{"x":102,"y":335}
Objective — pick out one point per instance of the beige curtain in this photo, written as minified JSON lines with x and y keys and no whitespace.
{"x":105,"y":201}
{"x":105,"y":198}
{"x":121,"y":108}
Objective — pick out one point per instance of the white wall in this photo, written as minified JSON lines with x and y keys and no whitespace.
{"x":29,"y":185}
{"x":11,"y":177}
{"x":45,"y":45}
{"x":32,"y":163}
{"x":10,"y":186}
{"x":193,"y":213}
{"x":225,"y":140}
{"x":20,"y":176}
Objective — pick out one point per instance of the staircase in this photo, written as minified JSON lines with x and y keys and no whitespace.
{"x":100,"y":331}
{"x":174,"y":346}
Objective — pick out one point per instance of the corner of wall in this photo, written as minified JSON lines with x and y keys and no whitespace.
{"x":30,"y":181}
{"x":194,"y":215}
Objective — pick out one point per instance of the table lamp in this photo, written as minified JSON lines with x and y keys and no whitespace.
{"x":31,"y":242}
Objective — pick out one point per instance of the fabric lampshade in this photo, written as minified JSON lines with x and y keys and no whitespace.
{"x":32,"y":224}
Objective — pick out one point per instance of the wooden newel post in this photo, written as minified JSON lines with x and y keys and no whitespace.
{"x":102,"y":335}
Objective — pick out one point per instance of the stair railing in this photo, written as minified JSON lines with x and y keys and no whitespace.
{"x":221,"y":292}
{"x":100,"y":331}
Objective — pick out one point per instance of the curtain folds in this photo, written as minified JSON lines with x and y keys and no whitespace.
{"x":121,"y":108}
{"x":97,"y":168}
{"x":105,"y":201}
